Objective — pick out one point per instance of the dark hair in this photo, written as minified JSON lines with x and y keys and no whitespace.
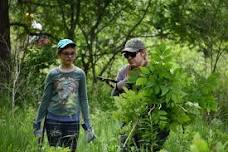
{"x":67,"y":46}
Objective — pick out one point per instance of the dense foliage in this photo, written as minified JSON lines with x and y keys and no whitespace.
{"x":184,"y":89}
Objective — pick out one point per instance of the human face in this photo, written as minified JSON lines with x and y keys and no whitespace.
{"x":135,"y":59}
{"x":67,"y":56}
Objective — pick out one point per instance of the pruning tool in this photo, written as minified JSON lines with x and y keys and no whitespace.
{"x":110,"y":82}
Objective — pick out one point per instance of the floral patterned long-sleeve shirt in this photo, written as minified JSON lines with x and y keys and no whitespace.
{"x":65,"y":96}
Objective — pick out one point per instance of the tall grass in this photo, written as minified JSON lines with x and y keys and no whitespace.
{"x":214,"y":134}
{"x":106,"y":129}
{"x":16,"y":133}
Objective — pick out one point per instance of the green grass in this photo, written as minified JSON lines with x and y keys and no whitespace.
{"x":16,"y":134}
{"x":214,"y":134}
{"x":106,"y":129}
{"x":16,"y":131}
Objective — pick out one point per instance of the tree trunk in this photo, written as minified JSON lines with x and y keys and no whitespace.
{"x":4,"y":42}
{"x":4,"y":30}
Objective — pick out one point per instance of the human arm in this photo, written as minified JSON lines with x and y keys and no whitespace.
{"x":122,"y":78}
{"x":42,"y":110}
{"x":83,"y":100}
{"x":85,"y":108}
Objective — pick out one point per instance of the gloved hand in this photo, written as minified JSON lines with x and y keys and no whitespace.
{"x":121,"y":84}
{"x":90,"y":136}
{"x":37,"y":131}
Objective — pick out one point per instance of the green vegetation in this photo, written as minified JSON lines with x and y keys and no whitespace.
{"x":183,"y":90}
{"x":16,"y":133}
{"x":164,"y":97}
{"x":186,"y":101}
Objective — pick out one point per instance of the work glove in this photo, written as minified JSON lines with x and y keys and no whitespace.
{"x":121,"y":84}
{"x":37,"y":131}
{"x":90,"y":135}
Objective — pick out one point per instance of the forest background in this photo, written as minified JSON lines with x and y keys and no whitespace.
{"x":193,"y":35}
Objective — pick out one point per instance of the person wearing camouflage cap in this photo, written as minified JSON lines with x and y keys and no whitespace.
{"x":135,"y":53}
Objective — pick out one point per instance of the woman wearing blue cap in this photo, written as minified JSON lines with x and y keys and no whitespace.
{"x":64,"y":98}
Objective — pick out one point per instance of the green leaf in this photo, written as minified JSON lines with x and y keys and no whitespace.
{"x":175,"y":98}
{"x":134,"y":74}
{"x":141,"y":81}
{"x":162,"y":112}
{"x":157,"y":89}
{"x":198,"y":144}
{"x":145,"y":70}
{"x":164,"y":90}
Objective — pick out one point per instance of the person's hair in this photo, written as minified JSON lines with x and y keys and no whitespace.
{"x":145,"y":57}
{"x":68,"y":45}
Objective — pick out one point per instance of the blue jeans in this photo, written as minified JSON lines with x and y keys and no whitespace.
{"x":63,"y":134}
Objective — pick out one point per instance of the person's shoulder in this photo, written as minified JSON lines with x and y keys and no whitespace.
{"x":52,"y":74}
{"x":53,"y":71}
{"x":79,"y":70}
{"x":124,"y":68}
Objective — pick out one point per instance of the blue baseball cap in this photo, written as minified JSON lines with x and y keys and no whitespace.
{"x":64,"y":42}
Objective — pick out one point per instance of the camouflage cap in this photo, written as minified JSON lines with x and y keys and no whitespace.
{"x":133,"y":45}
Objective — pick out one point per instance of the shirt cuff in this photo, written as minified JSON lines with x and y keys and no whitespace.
{"x":37,"y":125}
{"x":88,"y":126}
